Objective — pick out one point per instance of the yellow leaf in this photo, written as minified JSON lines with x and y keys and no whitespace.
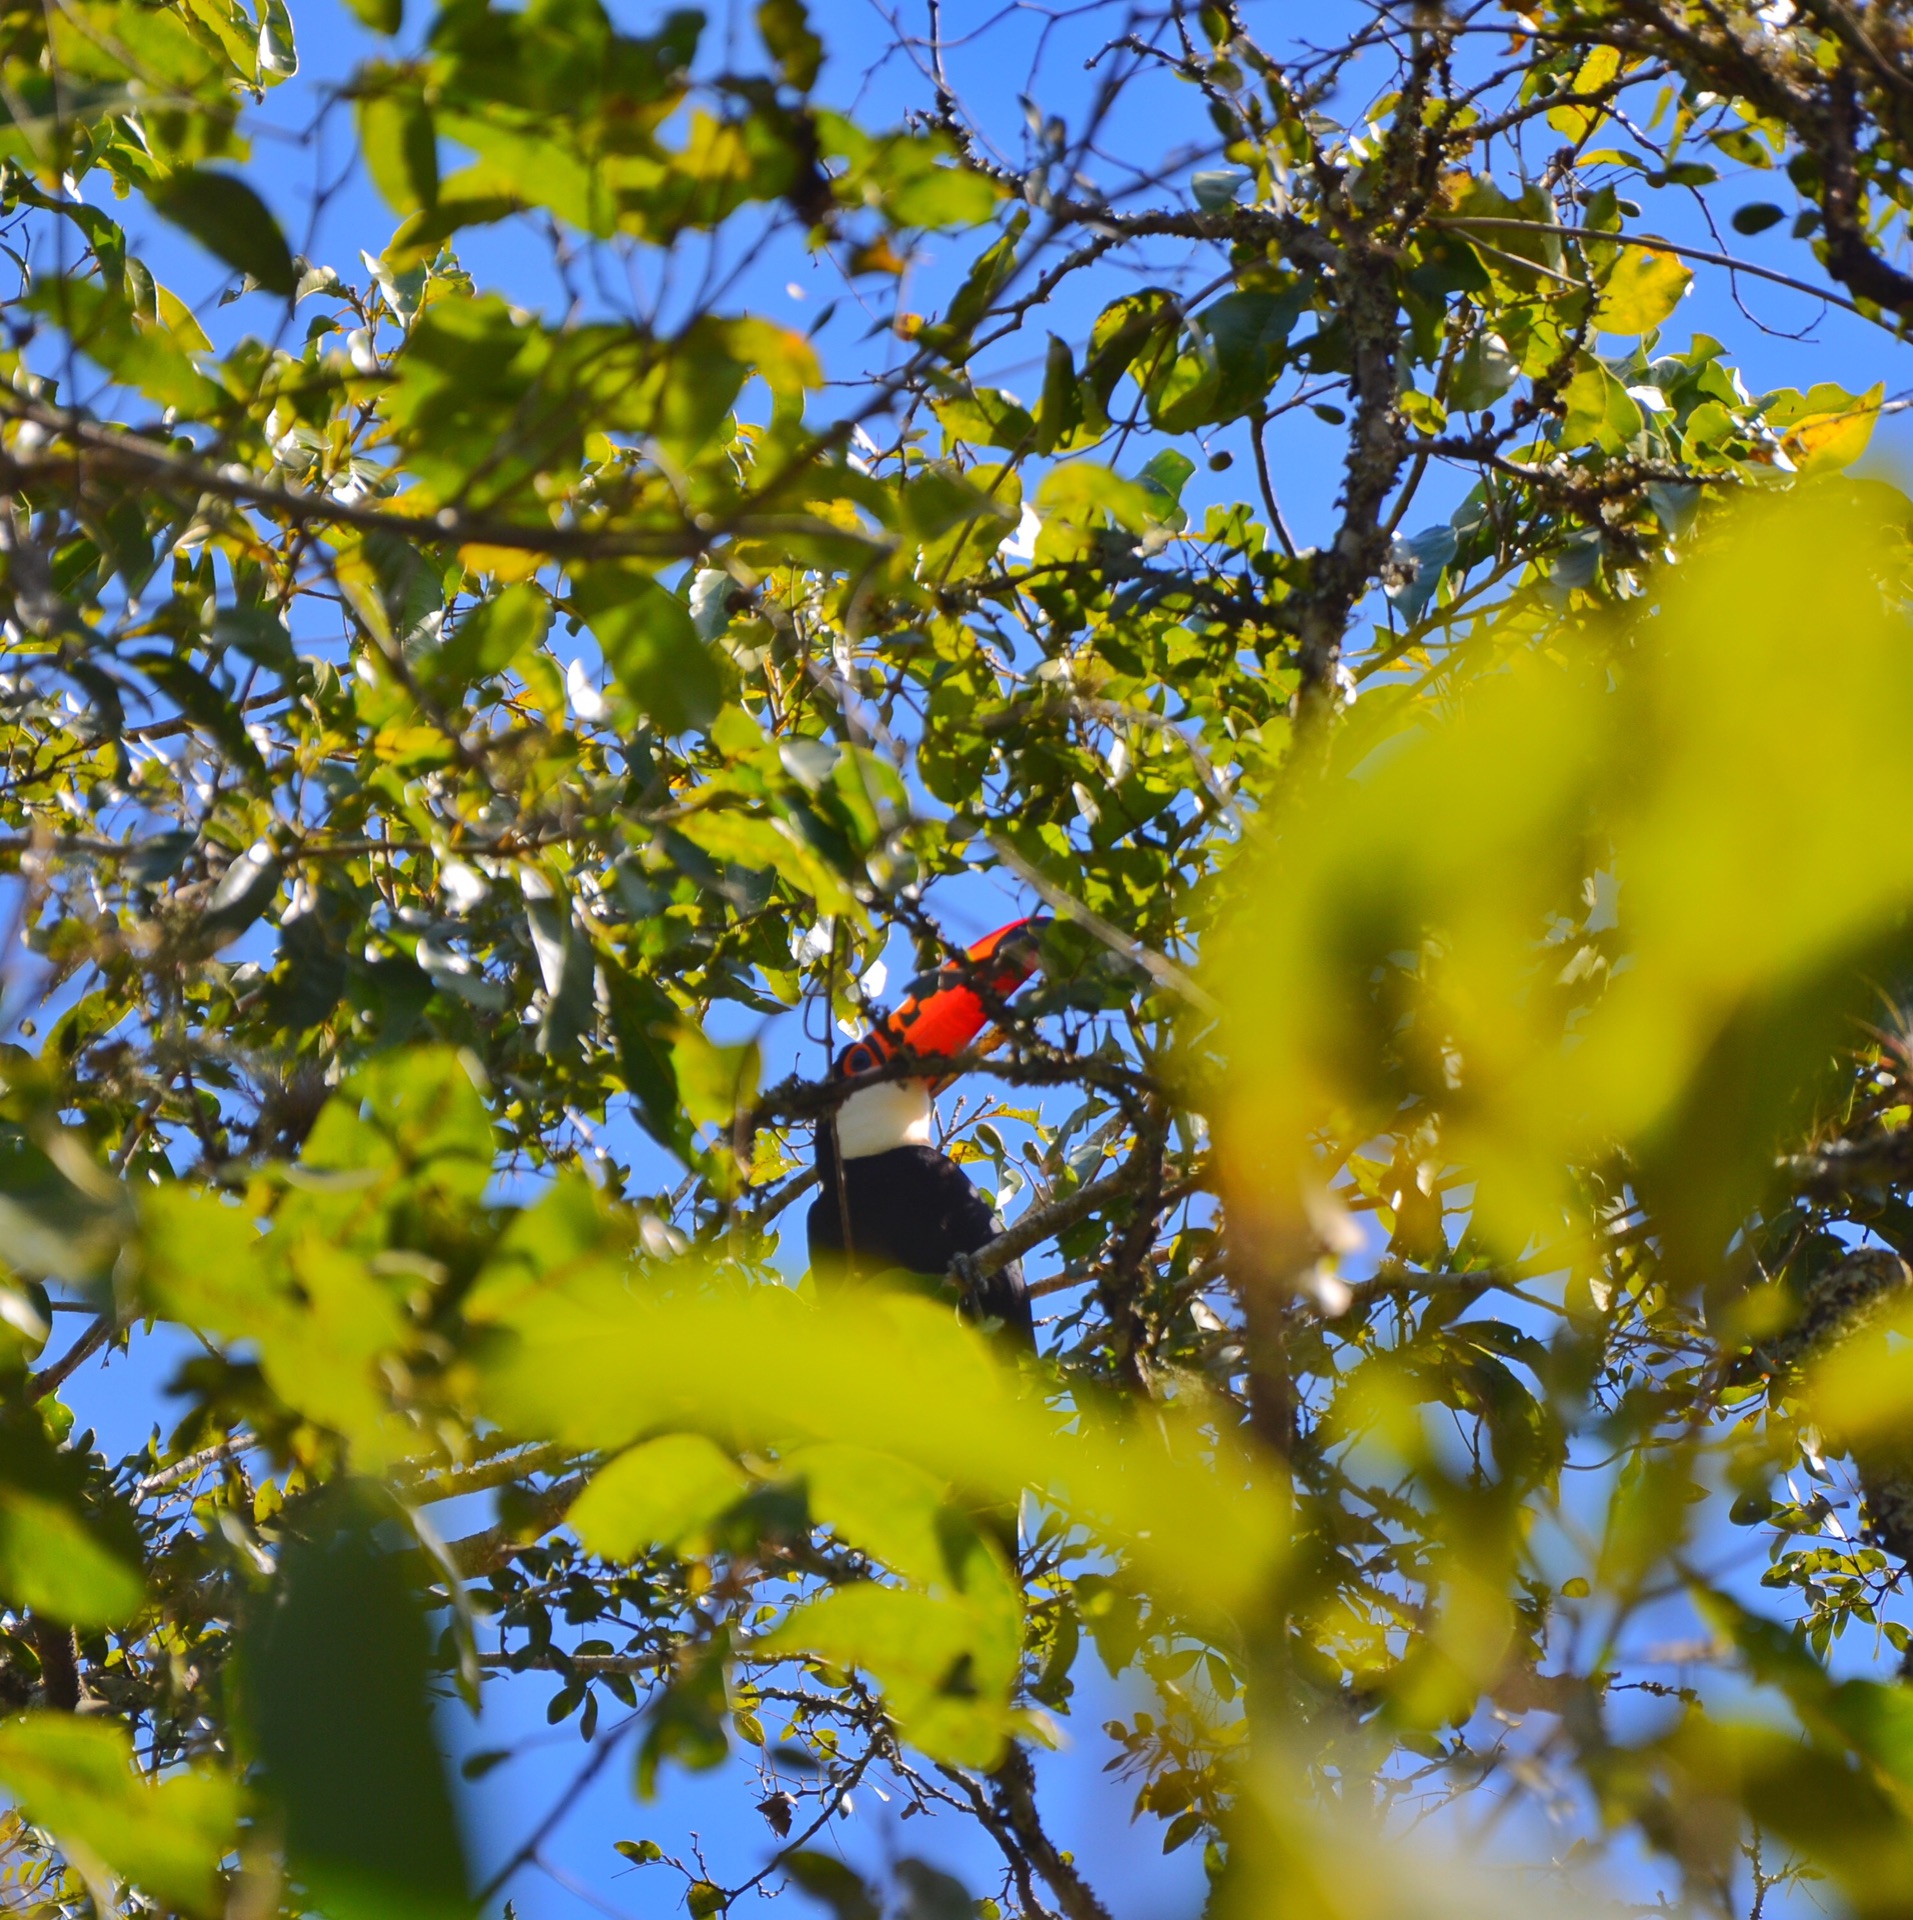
{"x":1827,"y":442}
{"x":1646,"y":285}
{"x":1694,"y":777}
{"x":510,"y":564}
{"x":1600,"y":66}
{"x":1861,"y":1389}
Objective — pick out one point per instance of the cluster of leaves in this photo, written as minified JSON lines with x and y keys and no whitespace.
{"x":387,"y":949}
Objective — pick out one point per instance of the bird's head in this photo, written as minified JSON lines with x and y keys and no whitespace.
{"x":940,"y":1016}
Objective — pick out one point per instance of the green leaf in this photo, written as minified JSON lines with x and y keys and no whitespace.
{"x":715,"y":1082}
{"x":51,"y":1562}
{"x":650,"y":644}
{"x":486,"y":641}
{"x":948,"y":1692}
{"x":1216,"y":189}
{"x":61,"y":1217}
{"x":1060,"y":407}
{"x":643,"y":1017}
{"x":139,"y":353}
{"x":382,"y":16}
{"x":278,"y":57}
{"x":986,"y":417}
{"x":245,"y":890}
{"x":785,"y":27}
{"x":335,"y":1663}
{"x":827,"y":1879}
{"x":421,"y":1112}
{"x":687,"y":1725}
{"x":639,"y":1852}
{"x":1600,"y":411}
{"x":931,"y":1894}
{"x":68,"y":1550}
{"x":228,"y":219}
{"x":399,"y":143}
{"x":317,"y":1314}
{"x":657,"y":1495}
{"x":988,"y":274}
{"x":883,"y":1505}
{"x":260,"y":634}
{"x":890,"y":1372}
{"x":77,"y":1778}
{"x":1757,"y":216}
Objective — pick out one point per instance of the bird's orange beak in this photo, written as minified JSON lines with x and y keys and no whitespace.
{"x":943,"y":1012}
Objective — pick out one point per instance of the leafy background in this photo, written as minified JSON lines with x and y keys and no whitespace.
{"x":1307,"y":478}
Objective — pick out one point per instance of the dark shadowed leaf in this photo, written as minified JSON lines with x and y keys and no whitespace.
{"x":787,"y":33}
{"x":335,"y":1666}
{"x":651,"y":645}
{"x":825,"y":1878}
{"x":930,"y":1894}
{"x":382,"y":16}
{"x":68,"y":1549}
{"x":227,"y":218}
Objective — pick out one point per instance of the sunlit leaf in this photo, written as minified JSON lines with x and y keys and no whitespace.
{"x":77,"y":1778}
{"x":1642,"y":291}
{"x":889,"y":1372}
{"x":650,"y":645}
{"x":657,"y":1495}
{"x":1738,"y":892}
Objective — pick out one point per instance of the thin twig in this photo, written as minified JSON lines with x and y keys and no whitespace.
{"x":1651,"y":241}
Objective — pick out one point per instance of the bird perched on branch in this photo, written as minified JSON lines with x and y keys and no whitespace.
{"x":888,"y":1198}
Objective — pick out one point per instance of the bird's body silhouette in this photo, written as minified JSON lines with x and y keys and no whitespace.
{"x":888,"y":1198}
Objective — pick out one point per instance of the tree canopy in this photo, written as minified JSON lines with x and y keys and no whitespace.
{"x":465,"y":749}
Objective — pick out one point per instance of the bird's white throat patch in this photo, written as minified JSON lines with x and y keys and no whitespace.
{"x":893,"y":1113}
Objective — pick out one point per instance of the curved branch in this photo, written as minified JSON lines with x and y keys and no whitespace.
{"x":1037,"y":1224}
{"x":96,"y":448}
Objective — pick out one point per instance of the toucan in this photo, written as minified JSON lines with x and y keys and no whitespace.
{"x":888,"y":1198}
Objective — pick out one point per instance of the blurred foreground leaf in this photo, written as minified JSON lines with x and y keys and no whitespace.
{"x":335,"y":1666}
{"x":76,"y":1777}
{"x":1403,"y":938}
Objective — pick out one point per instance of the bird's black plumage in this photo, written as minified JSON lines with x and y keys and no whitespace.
{"x":913,"y":1208}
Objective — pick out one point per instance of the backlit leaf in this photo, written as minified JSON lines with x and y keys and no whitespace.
{"x":657,"y":1495}
{"x":1642,"y":291}
{"x":77,"y":1778}
{"x":229,"y":219}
